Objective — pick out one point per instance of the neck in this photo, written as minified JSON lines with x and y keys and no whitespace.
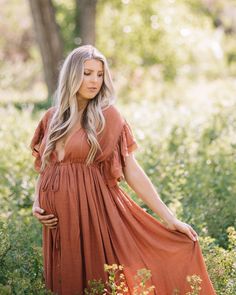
{"x":82,"y":103}
{"x":82,"y":106}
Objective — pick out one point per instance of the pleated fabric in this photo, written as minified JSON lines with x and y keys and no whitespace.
{"x":99,"y":223}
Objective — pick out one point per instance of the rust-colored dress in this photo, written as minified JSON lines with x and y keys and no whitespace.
{"x":99,"y":223}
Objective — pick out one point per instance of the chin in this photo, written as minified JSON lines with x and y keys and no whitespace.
{"x":91,"y":97}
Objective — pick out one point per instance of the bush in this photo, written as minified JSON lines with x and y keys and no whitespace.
{"x":221,"y":263}
{"x":21,"y":270}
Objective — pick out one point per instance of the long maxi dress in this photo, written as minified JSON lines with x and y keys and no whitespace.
{"x":98,"y":223}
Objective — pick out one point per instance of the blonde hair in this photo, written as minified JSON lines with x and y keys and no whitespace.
{"x":66,"y":103}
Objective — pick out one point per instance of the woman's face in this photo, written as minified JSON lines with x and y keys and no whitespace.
{"x":92,"y":80}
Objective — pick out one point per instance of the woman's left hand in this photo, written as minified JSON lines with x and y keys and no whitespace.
{"x":184,"y":228}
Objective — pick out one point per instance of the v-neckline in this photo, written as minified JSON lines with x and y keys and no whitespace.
{"x":71,"y":135}
{"x":66,"y":143}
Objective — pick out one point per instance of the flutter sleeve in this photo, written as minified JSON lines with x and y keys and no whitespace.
{"x":37,"y":140}
{"x":113,"y":166}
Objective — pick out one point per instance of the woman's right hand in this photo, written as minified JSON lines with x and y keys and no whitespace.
{"x":48,"y":220}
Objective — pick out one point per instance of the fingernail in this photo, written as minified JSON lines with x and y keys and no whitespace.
{"x":42,"y":210}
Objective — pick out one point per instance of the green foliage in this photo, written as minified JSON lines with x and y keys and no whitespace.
{"x":16,"y":187}
{"x":65,"y":17}
{"x":125,"y":35}
{"x":195,"y":282}
{"x":163,"y":39}
{"x":20,"y":257}
{"x":221,"y":263}
{"x":166,"y":34}
{"x":116,"y":283}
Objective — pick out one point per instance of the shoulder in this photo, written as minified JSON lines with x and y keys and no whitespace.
{"x":48,"y":114}
{"x":113,"y":114}
{"x":45,"y":118}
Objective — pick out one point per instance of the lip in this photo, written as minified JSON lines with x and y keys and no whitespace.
{"x":92,"y":88}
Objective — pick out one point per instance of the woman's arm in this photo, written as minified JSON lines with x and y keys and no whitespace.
{"x":47,"y":220}
{"x":36,"y":194}
{"x":143,"y":187}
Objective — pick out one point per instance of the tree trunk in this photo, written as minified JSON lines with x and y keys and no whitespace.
{"x":86,"y":21}
{"x":49,"y":40}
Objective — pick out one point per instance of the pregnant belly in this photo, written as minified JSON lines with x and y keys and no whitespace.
{"x":50,"y":191}
{"x":57,"y":202}
{"x":47,"y":202}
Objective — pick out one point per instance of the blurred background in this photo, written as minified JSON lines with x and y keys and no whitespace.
{"x":173,"y":63}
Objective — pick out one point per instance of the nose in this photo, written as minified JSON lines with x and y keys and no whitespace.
{"x":94,"y":78}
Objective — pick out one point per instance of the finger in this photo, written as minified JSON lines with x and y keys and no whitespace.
{"x":188,"y":232}
{"x":46,"y":217}
{"x":50,"y":225}
{"x":42,"y":217}
{"x":38,"y":210}
{"x":50,"y":221}
{"x":37,"y":215}
{"x":194,"y":233}
{"x":192,"y":237}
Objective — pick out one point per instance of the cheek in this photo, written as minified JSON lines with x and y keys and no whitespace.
{"x":83,"y":85}
{"x":86,"y":81}
{"x":101,"y":82}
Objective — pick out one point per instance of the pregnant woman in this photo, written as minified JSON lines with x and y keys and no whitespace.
{"x":83,"y":148}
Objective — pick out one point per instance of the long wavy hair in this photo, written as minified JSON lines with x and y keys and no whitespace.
{"x":66,"y":103}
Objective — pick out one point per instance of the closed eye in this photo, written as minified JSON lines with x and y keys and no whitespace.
{"x":87,"y":74}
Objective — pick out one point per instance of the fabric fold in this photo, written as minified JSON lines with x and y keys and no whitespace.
{"x":39,"y":137}
{"x":112,"y":167}
{"x":36,"y":143}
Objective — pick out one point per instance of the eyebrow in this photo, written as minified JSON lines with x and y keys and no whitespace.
{"x":92,"y":70}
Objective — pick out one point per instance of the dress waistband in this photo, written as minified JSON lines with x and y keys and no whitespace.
{"x":52,"y":181}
